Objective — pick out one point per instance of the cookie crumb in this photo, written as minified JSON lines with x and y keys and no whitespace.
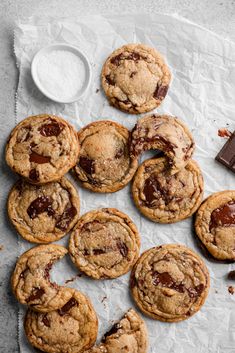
{"x":224,"y":132}
{"x":73,"y":278}
{"x":231,"y":275}
{"x":231,"y":290}
{"x":97,"y":90}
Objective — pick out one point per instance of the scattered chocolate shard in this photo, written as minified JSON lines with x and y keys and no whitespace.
{"x":224,"y":132}
{"x":227,"y":154}
{"x":231,"y":290}
{"x":231,"y":275}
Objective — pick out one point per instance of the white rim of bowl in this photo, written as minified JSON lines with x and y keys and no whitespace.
{"x":62,"y":46}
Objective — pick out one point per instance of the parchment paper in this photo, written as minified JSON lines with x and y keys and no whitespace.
{"x":202,"y":94}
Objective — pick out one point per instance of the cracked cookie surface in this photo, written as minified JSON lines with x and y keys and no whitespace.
{"x":105,"y":243}
{"x":104,"y":163}
{"x":71,"y":329}
{"x":43,"y":213}
{"x":215,"y":224}
{"x":167,"y":198}
{"x":170,"y":283}
{"x":129,"y":335}
{"x":135,"y":78}
{"x":31,"y":279}
{"x":42,"y":148}
{"x":165,"y":133}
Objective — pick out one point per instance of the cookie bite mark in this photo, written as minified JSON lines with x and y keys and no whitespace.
{"x":104,"y":164}
{"x":128,"y":335}
{"x":170,"y":283}
{"x":104,"y":244}
{"x":31,"y":279}
{"x":165,"y":133}
{"x":42,"y":148}
{"x":42,"y":214}
{"x":215,"y":224}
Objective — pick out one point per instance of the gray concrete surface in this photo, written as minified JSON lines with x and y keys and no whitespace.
{"x":216,"y":15}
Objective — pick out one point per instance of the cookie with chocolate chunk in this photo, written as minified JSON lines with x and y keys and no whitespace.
{"x":165,"y":133}
{"x":170,"y":283}
{"x":215,"y":224}
{"x":43,"y":213}
{"x":31,"y":279}
{"x":104,"y":163}
{"x":166,"y":198}
{"x":105,"y":243}
{"x":73,"y":328}
{"x":135,"y":78}
{"x":128,"y":335}
{"x":42,"y":148}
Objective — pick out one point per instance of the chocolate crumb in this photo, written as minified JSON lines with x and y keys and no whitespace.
{"x":231,"y":275}
{"x":97,"y":90}
{"x":103,"y":299}
{"x":231,"y":290}
{"x":73,"y":278}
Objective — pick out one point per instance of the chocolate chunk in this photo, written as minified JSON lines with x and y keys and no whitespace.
{"x":133,"y":74}
{"x":231,"y":290}
{"x":72,"y":302}
{"x":46,"y":321}
{"x":231,"y":275}
{"x":33,"y":174}
{"x":38,"y":158}
{"x":87,"y":165}
{"x":51,"y":129}
{"x":223,"y":216}
{"x":160,"y":92}
{"x":37,"y":293}
{"x":153,"y":191}
{"x":40,"y":205}
{"x":227,"y":154}
{"x":167,"y":281}
{"x":113,"y":330}
{"x":116,"y":59}
{"x":133,"y":56}
{"x":119,"y":153}
{"x":223,"y":132}
{"x":122,"y":248}
{"x":98,"y":251}
{"x":66,"y":217}
{"x":196,"y":291}
{"x":110,"y":80}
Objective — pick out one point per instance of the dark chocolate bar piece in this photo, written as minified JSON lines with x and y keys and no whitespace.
{"x":227,"y":154}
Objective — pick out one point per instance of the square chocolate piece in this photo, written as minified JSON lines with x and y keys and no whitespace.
{"x":226,"y":156}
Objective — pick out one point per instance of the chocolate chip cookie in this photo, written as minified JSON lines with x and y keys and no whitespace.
{"x":71,"y":329}
{"x":31,"y":279}
{"x":43,"y":213}
{"x":42,"y":148}
{"x":215,"y":224}
{"x":165,"y":133}
{"x":105,"y":243}
{"x":135,"y":78}
{"x":104,"y":163}
{"x":128,"y":335}
{"x":166,"y":198}
{"x":170,"y":283}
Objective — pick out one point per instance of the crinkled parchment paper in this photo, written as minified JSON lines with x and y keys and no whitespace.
{"x":202,"y":94}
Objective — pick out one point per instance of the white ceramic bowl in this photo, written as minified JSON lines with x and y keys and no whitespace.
{"x":64,"y":47}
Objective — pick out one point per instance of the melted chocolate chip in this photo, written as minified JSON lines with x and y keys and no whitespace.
{"x":46,"y":321}
{"x":133,"y":56}
{"x":98,"y":251}
{"x":37,"y":293}
{"x":66,"y":218}
{"x":116,"y":59}
{"x":223,"y":216}
{"x":38,"y":158}
{"x":167,"y":281}
{"x":122,"y":248}
{"x":51,"y":129}
{"x":133,"y":74}
{"x":33,"y":174}
{"x":153,"y":190}
{"x":110,"y":80}
{"x":40,"y":205}
{"x":113,"y":330}
{"x":160,"y":92}
{"x":87,"y":165}
{"x":72,"y":302}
